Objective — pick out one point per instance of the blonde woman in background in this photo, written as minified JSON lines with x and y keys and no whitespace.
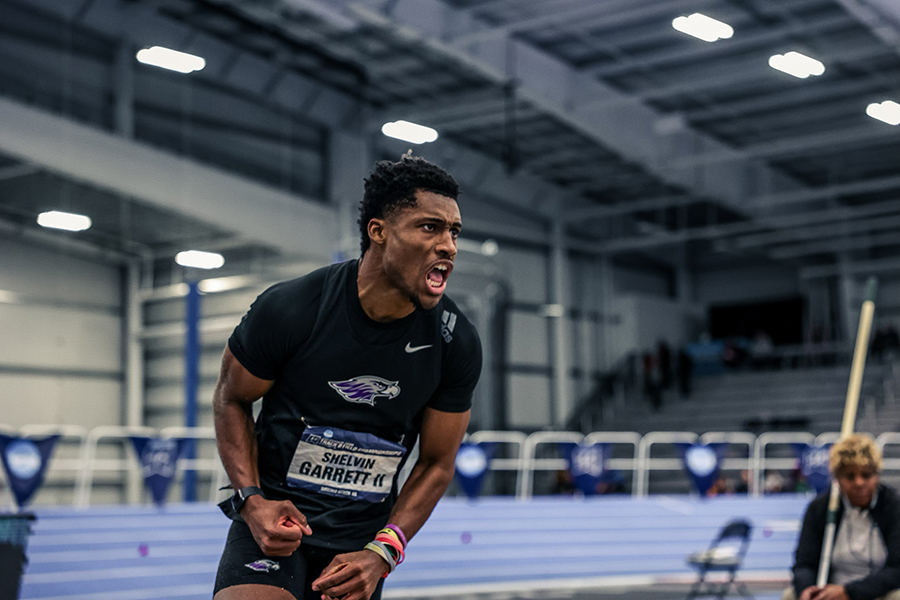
{"x":866,"y":560}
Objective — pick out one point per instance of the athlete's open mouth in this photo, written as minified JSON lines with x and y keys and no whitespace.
{"x":437,"y":277}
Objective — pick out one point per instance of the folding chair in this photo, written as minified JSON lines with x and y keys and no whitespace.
{"x":725,"y":553}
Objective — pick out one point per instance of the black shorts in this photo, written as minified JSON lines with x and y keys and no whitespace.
{"x":243,"y":562}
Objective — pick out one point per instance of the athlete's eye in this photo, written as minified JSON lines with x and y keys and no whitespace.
{"x":428,"y":226}
{"x":454,"y":232}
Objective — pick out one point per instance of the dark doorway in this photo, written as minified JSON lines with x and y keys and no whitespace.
{"x":782,"y":320}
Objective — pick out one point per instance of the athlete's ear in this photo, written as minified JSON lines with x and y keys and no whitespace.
{"x":376,"y":231}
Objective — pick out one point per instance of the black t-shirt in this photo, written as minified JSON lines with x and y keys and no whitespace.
{"x":335,"y":371}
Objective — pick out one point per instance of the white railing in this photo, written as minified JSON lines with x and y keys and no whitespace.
{"x":121,"y":435}
{"x":516,"y":439}
{"x":522,"y":452}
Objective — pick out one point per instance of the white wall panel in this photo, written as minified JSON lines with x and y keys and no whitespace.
{"x":640,"y":282}
{"x":643,"y":321}
{"x":28,"y":399}
{"x":170,"y":398}
{"x":60,"y":338}
{"x":528,"y":339}
{"x":54,"y":276}
{"x":172,"y":366}
{"x":526,"y":271}
{"x":231,"y":303}
{"x":529,"y":404}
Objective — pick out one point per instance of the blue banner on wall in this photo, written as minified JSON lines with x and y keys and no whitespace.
{"x":587,"y":465}
{"x":159,"y":459}
{"x":472,"y":461}
{"x":813,"y":463}
{"x":25,"y":461}
{"x":702,"y":463}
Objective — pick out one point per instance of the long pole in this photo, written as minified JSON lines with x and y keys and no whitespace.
{"x":850,"y":406}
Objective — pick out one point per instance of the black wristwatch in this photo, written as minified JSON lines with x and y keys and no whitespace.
{"x":241,"y":495}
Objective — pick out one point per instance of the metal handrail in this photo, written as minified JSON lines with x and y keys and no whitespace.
{"x":886,"y":438}
{"x":631,"y":438}
{"x":122,"y":433}
{"x":644,"y":464}
{"x":759,"y":453}
{"x":516,"y":438}
{"x":524,"y":462}
{"x":212,"y":465}
{"x":530,"y":464}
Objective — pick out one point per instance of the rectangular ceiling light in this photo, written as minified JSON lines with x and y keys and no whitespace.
{"x":170,"y":59}
{"x":63,"y":220}
{"x":888,"y":111}
{"x":796,"y":64}
{"x":199,"y":259}
{"x":703,"y":27}
{"x":409,"y":132}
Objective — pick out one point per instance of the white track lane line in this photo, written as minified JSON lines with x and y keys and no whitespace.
{"x":521,"y":586}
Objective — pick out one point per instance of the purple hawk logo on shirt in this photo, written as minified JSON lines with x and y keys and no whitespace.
{"x":263,"y":566}
{"x":365,"y":388}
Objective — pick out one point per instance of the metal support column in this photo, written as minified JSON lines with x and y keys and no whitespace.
{"x":191,"y":380}
{"x":349,"y":162}
{"x":123,"y":77}
{"x":133,"y":359}
{"x":849,"y":311}
{"x":561,"y":330}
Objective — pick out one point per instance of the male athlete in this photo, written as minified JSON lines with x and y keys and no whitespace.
{"x":354,"y":362}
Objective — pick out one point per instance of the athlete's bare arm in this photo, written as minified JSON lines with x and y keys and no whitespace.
{"x":354,"y":576}
{"x":439,"y":442}
{"x":277,"y":526}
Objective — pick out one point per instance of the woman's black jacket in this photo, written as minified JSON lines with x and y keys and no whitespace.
{"x":886,"y":516}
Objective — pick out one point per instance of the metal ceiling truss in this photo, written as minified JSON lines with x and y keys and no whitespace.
{"x":840,"y":245}
{"x":458,"y":64}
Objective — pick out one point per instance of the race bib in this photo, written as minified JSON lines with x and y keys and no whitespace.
{"x":345,"y":464}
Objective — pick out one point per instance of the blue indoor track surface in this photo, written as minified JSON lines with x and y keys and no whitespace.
{"x":496,"y":545}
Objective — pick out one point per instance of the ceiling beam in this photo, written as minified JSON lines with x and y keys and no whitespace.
{"x":16,"y":171}
{"x":737,"y":73}
{"x":166,"y":180}
{"x":755,"y":203}
{"x":556,"y":17}
{"x":764,"y":35}
{"x":863,"y":241}
{"x":795,"y":223}
{"x":882,"y":17}
{"x":815,"y":92}
{"x":813,"y":232}
{"x":560,"y":91}
{"x":883,"y":265}
{"x":783,"y":148}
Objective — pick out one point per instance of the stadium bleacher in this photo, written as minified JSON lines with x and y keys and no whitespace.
{"x":736,"y":401}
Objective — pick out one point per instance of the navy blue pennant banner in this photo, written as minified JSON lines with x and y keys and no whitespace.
{"x":159,"y":459}
{"x":813,"y":463}
{"x":702,"y":463}
{"x":472,"y":462}
{"x":587,"y":464}
{"x":25,"y":461}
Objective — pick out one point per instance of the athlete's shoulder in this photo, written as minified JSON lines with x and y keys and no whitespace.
{"x":304,"y":290}
{"x":456,"y":329}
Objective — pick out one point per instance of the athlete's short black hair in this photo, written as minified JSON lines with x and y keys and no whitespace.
{"x":393,"y":185}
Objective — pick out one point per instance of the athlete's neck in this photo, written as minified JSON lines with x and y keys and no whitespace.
{"x":381,"y":300}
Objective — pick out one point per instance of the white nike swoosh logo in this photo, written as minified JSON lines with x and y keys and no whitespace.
{"x":410,"y":349}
